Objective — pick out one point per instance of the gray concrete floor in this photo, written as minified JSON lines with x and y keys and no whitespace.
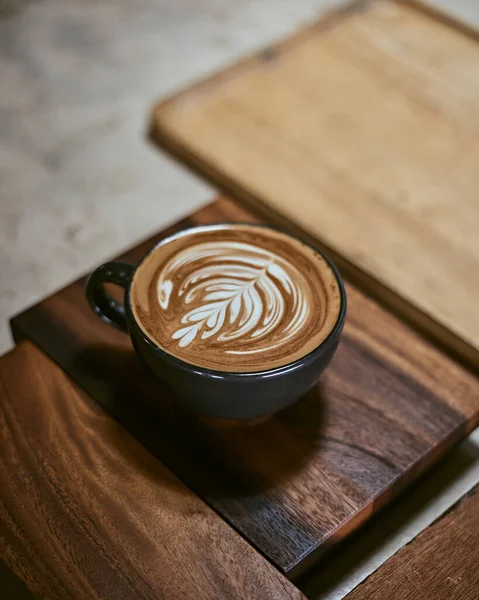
{"x":78,"y":181}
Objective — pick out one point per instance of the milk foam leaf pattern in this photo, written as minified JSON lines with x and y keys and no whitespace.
{"x":238,"y":292}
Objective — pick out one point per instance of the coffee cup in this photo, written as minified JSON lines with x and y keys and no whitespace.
{"x":239,"y":320}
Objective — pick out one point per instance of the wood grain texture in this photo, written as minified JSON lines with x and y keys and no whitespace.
{"x":387,"y":407}
{"x":440,"y":564}
{"x":87,"y":512}
{"x":362,"y":131}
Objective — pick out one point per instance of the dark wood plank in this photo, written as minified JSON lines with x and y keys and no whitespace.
{"x":87,"y":512}
{"x":387,"y":408}
{"x":440,"y":564}
{"x":285,"y":130}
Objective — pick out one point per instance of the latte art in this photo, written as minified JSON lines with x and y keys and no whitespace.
{"x":235,"y":298}
{"x":234,"y":291}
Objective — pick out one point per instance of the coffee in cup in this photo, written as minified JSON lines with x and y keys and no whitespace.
{"x":239,"y":320}
{"x":237,"y":298}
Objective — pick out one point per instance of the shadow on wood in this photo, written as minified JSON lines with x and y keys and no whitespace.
{"x":149,"y":410}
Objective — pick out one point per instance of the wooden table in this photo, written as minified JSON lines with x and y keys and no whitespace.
{"x":87,"y":512}
{"x":440,"y":564}
{"x":171,"y":505}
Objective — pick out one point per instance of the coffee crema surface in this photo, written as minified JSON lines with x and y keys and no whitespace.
{"x":235,"y":298}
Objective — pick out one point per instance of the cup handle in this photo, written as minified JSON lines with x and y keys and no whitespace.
{"x":107,"y":308}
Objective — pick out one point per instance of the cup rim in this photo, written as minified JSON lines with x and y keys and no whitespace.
{"x":213,"y":373}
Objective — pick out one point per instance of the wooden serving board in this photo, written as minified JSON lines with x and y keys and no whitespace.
{"x":87,"y":512}
{"x":389,"y":406}
{"x":440,"y":564}
{"x":363,"y":132}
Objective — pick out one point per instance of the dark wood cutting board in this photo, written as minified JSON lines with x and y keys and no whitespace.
{"x":87,"y":512}
{"x":440,"y":564}
{"x":387,"y":408}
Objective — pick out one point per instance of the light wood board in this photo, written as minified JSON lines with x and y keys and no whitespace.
{"x":363,"y":131}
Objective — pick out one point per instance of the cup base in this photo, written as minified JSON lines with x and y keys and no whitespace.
{"x":234,"y":423}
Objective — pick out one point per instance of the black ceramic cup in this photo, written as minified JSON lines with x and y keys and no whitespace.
{"x":219,"y":394}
